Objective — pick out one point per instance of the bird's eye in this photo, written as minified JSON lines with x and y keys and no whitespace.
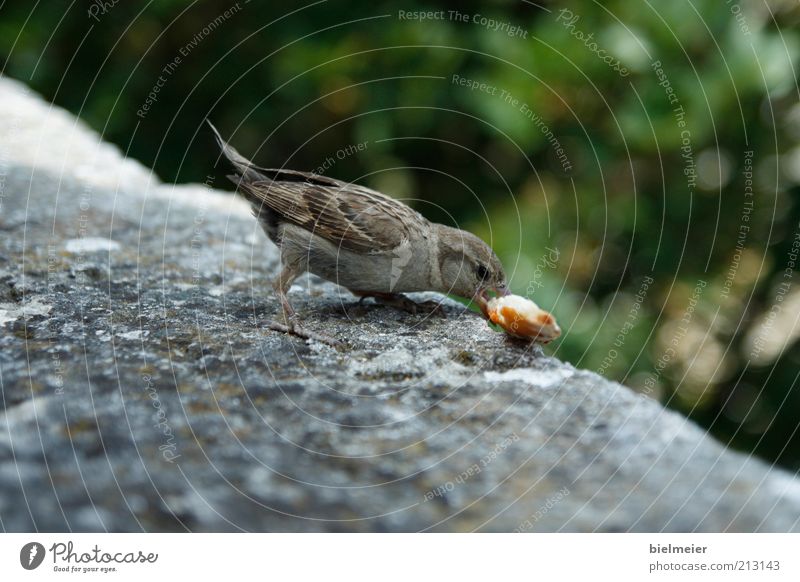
{"x":482,"y":272}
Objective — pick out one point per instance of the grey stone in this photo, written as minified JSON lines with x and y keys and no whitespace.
{"x":143,"y":390}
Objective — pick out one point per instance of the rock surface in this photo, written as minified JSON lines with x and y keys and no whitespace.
{"x":142,"y":390}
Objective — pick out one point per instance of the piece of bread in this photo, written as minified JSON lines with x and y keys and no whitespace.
{"x":522,"y":318}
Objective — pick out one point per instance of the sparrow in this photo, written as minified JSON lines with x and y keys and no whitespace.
{"x":365,"y":241}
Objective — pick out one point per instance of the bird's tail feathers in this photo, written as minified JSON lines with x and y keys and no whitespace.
{"x":246,"y":169}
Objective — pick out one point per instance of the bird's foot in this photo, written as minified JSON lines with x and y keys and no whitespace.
{"x":403,"y":303}
{"x":291,"y":327}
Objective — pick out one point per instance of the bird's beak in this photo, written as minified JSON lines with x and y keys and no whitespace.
{"x":481,"y":297}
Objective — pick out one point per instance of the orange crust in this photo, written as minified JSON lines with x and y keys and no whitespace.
{"x":510,"y":320}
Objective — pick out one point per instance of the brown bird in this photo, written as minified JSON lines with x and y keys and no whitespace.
{"x":358,"y":238}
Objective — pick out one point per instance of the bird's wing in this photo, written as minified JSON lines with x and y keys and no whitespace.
{"x":355,"y":217}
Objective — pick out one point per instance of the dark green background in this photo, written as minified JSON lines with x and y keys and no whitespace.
{"x":292,"y":85}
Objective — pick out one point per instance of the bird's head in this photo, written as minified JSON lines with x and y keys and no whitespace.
{"x":468,"y":267}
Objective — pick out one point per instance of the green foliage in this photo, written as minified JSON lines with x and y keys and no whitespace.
{"x":293,"y":85}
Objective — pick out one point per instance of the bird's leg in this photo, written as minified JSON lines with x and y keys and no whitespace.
{"x":399,"y":301}
{"x":290,"y":325}
{"x":282,"y":285}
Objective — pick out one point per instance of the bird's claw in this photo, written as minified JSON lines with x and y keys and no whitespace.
{"x":291,"y":327}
